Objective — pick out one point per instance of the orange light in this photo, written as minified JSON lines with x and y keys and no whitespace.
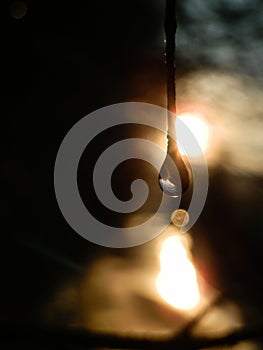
{"x":199,"y":128}
{"x":177,"y":280}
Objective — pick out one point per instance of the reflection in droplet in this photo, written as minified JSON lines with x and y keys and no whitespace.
{"x":180,"y":218}
{"x":18,"y":9}
{"x":168,"y":187}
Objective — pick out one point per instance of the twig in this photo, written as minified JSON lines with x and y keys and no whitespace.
{"x":89,"y":339}
{"x":186,"y":330}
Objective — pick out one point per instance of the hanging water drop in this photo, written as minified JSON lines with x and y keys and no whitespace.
{"x":174,"y":177}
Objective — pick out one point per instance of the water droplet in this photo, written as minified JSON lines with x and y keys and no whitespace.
{"x":174,"y":177}
{"x":180,"y":218}
{"x":169,"y":179}
{"x":18,"y":9}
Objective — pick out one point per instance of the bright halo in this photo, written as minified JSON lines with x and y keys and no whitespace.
{"x":199,"y":127}
{"x":177,"y":281}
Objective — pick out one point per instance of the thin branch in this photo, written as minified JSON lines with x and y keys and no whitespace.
{"x":186,"y":330}
{"x":89,"y":339}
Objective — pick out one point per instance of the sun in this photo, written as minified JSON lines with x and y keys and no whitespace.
{"x":199,"y":129}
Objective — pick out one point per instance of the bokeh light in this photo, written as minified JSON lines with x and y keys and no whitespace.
{"x":177,"y":281}
{"x":199,"y":127}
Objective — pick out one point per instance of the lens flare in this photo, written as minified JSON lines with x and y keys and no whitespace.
{"x":200,"y":130}
{"x":177,"y":280}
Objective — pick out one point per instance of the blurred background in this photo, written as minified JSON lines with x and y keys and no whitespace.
{"x":61,"y":61}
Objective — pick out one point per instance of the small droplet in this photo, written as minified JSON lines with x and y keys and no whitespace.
{"x":180,"y":218}
{"x":18,"y":9}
